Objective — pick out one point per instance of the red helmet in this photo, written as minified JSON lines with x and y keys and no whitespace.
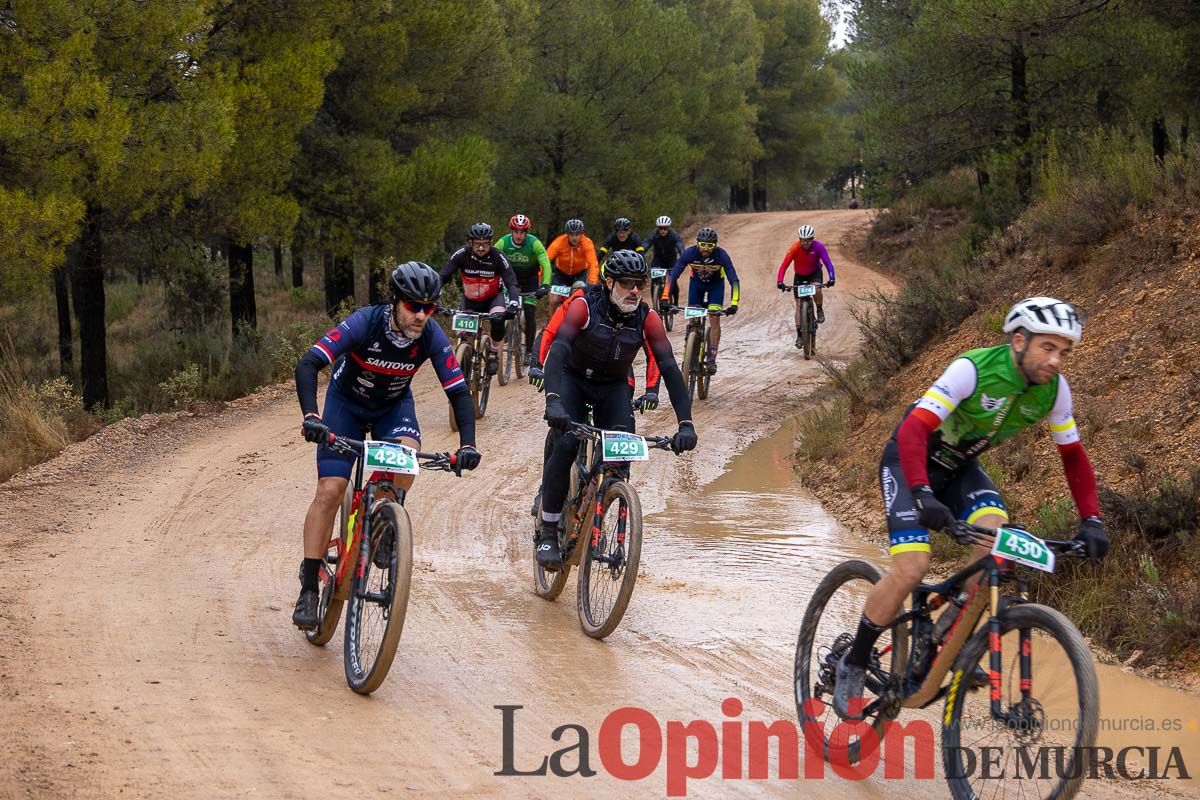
{"x":519,"y":222}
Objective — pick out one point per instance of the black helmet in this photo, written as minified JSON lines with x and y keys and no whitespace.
{"x":574,"y":226}
{"x":706,"y":235}
{"x":480,"y":230}
{"x":626,"y":264}
{"x":416,"y":281}
{"x":622,"y":224}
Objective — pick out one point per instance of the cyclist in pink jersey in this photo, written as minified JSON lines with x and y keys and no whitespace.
{"x":807,"y":255}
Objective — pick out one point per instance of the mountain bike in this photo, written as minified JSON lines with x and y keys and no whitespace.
{"x":1043,"y":689}
{"x":472,"y":357}
{"x":513,"y":351}
{"x":601,"y":527}
{"x":368,"y":561}
{"x":804,"y":292}
{"x":658,"y":277}
{"x":695,"y":347}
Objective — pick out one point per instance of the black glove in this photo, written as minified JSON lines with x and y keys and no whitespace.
{"x":510,"y":310}
{"x":730,"y":311}
{"x":466,"y":457}
{"x":647,"y":402}
{"x":931,"y":513}
{"x":556,"y":416}
{"x":537,"y":378}
{"x":780,"y":286}
{"x":830,"y":284}
{"x":1091,"y":533}
{"x":542,"y":291}
{"x":315,"y":430}
{"x":684,"y":439}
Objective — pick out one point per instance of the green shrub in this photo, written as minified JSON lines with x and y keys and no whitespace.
{"x":182,"y":389}
{"x":822,"y":430}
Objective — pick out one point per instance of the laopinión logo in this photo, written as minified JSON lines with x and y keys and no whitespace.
{"x":742,"y":750}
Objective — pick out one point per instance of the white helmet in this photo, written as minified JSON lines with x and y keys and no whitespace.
{"x":806,"y":232}
{"x":1045,"y":315}
{"x":662,"y":222}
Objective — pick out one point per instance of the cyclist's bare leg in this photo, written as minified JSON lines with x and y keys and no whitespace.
{"x":798,"y":301}
{"x":819,"y":296}
{"x":886,"y":597}
{"x":714,"y":333}
{"x":318,"y":522}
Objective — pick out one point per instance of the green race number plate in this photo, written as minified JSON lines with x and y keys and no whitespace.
{"x":465,"y":323}
{"x":389,"y":457}
{"x":560,"y":290}
{"x":658,"y":273}
{"x":691,"y":312}
{"x":1024,"y":548}
{"x":805,"y":290}
{"x":617,"y":446}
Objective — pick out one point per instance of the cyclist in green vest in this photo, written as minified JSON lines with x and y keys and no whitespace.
{"x":930,"y":473}
{"x":529,"y":261}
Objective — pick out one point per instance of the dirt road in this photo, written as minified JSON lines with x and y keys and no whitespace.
{"x":147,"y":649}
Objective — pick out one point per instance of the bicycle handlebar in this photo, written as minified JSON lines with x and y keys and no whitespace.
{"x":670,"y":309}
{"x":792,"y":287}
{"x":966,"y":533}
{"x":583,"y":431}
{"x":354,"y":447}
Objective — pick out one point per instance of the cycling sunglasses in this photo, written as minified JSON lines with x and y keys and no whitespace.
{"x":706,"y":245}
{"x":632,"y":283}
{"x":419,"y":308}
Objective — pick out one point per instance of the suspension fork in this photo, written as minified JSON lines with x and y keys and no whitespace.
{"x":994,"y":655}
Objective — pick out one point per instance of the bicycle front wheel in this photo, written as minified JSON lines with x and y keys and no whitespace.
{"x":516,"y":345}
{"x":505,"y":353}
{"x":1056,"y":716}
{"x":806,"y":328}
{"x":691,"y":361}
{"x":463,"y":354}
{"x":379,"y":601}
{"x":609,"y":564}
{"x":825,"y":635}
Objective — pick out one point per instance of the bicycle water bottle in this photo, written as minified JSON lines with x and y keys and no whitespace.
{"x":953,"y":609}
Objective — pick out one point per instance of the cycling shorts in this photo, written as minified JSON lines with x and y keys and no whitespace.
{"x":968,"y":492}
{"x":560,"y":278}
{"x":711,"y":295}
{"x":347,"y":418}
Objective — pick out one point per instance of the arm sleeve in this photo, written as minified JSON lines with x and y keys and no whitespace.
{"x":539,"y":250}
{"x":660,"y":346}
{"x":1081,"y":478}
{"x":735,"y":286}
{"x":551,"y":331}
{"x":306,"y":381}
{"x":783,"y":265}
{"x":574,"y":320}
{"x":824,"y":254}
{"x":939,"y":401}
{"x":589,"y":252}
{"x":653,"y":374}
{"x":450,"y":267}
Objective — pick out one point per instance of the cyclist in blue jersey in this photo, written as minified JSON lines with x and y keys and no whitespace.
{"x":375,"y":353}
{"x":711,"y":267}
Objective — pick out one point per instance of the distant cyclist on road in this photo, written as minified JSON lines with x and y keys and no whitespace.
{"x":376,"y":352}
{"x":483,"y":269}
{"x":711,"y":267}
{"x":531,"y":265}
{"x":572,"y":257}
{"x":930,"y":473}
{"x":622,"y":238}
{"x":589,"y":364}
{"x":663,"y":248}
{"x":807,"y":255}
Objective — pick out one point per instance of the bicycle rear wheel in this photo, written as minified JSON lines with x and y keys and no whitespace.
{"x":379,"y":602}
{"x":825,"y":635}
{"x":691,"y":363}
{"x":608,"y":570}
{"x":1060,"y":715}
{"x":329,"y":608}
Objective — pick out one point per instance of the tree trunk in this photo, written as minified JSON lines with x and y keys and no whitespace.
{"x":297,"y":248}
{"x":87,"y":289}
{"x":66,"y":356}
{"x":242,"y":310}
{"x":339,"y":280}
{"x":278,"y":259}
{"x":1183,"y":136}
{"x":1022,"y":128}
{"x":375,"y":282}
{"x":1159,"y":140}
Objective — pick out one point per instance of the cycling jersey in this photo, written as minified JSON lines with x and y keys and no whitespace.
{"x":612,"y":244}
{"x":713,"y":268}
{"x":573,"y":261}
{"x":481,"y":277}
{"x":528,"y":260}
{"x":551,"y":330}
{"x":664,"y":250}
{"x":374,"y":364}
{"x":806,"y":262}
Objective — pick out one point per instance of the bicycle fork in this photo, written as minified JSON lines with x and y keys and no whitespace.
{"x":1010,"y":718}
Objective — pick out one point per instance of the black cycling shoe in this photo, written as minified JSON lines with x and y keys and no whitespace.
{"x":710,"y":366}
{"x":799,"y":340}
{"x":383,"y":550}
{"x":848,"y":688}
{"x":305,"y":616}
{"x":820,"y":316}
{"x":491,"y":363}
{"x":545,"y":547}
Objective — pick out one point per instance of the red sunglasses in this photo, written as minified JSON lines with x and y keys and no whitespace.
{"x":419,"y":308}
